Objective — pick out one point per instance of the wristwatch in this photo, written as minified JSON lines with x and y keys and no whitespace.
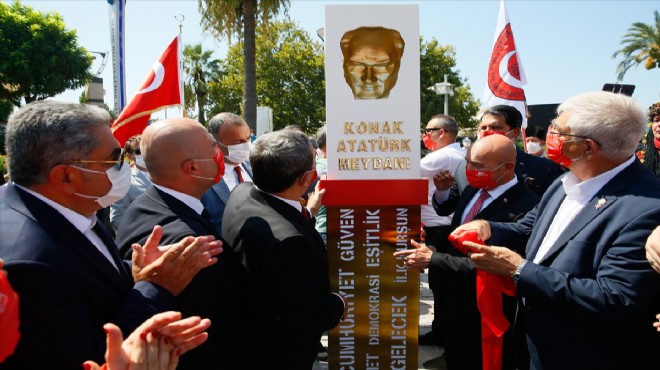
{"x":516,"y":275}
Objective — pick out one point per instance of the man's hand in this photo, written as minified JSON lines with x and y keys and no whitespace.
{"x":653,"y":250}
{"x":480,"y":226}
{"x":418,"y":258}
{"x":178,"y":263}
{"x":443,"y":180}
{"x":497,"y":260}
{"x":315,"y":199}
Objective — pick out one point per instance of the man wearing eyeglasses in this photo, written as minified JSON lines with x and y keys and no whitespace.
{"x":446,"y":155}
{"x":65,"y":166}
{"x":586,"y":288}
{"x":139,"y":180}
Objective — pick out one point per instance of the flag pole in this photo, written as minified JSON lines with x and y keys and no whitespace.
{"x":180,"y":18}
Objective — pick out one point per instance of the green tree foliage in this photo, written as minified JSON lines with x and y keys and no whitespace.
{"x":641,"y":45}
{"x":228,"y":18}
{"x":39,"y":57}
{"x":199,"y":68}
{"x":289,"y":77}
{"x":435,"y":61}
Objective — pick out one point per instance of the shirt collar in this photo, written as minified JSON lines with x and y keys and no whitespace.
{"x":188,"y":200}
{"x":80,"y":222}
{"x":582,"y":191}
{"x":293,"y":203}
{"x":496,"y":192}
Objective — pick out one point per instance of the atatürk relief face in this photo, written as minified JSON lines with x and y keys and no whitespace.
{"x":372,"y":57}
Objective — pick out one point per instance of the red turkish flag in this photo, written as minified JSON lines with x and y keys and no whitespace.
{"x":506,"y":76}
{"x":161,"y":89}
{"x":9,"y":319}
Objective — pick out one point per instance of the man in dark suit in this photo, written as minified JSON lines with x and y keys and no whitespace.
{"x":183,"y":161}
{"x":537,"y":172}
{"x":233,"y":137}
{"x":65,"y":166}
{"x":503,"y":197}
{"x":587,"y":291}
{"x":285,"y":255}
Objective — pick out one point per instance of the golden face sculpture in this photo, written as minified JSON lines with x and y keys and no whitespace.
{"x":372,"y":57}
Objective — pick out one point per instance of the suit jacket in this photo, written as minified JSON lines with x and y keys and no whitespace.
{"x":288,"y":264}
{"x":67,"y":289}
{"x":139,"y":183}
{"x":455,"y":273}
{"x":216,"y":197}
{"x":216,"y":291}
{"x":590,"y":301}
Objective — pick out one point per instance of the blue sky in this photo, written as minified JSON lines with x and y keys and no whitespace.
{"x":565,"y":46}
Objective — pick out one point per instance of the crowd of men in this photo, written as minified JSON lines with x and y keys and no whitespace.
{"x":213,"y":254}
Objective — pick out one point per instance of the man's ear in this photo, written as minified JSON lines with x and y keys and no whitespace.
{"x":516,"y":132}
{"x":65,"y":178}
{"x":190,"y":167}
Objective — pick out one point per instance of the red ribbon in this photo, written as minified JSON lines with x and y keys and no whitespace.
{"x":490,"y":288}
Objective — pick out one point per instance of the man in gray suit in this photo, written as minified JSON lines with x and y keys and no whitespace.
{"x":233,"y":137}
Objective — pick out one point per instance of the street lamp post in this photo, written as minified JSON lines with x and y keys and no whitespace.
{"x":446,"y":89}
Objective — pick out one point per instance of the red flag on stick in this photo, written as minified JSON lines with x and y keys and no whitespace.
{"x":161,"y":89}
{"x":506,"y":76}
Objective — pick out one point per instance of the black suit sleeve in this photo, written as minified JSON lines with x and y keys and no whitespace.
{"x":449,"y":206}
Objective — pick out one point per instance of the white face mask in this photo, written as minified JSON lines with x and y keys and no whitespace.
{"x":533,"y":147}
{"x":238,"y":153}
{"x":140,"y":161}
{"x":120,"y":180}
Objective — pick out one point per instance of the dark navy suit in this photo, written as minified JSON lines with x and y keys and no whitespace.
{"x":288,"y":264}
{"x":216,"y":291}
{"x":455,"y":274}
{"x":215,"y":199}
{"x":591,"y":300}
{"x":67,"y":288}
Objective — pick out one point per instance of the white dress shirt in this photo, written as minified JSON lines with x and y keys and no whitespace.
{"x":231,"y":178}
{"x":578,"y":195}
{"x":446,"y":158}
{"x":188,"y":200}
{"x":82,"y":223}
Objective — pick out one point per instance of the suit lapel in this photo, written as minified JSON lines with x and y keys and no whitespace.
{"x":289,"y":213}
{"x":222,"y":190}
{"x":67,"y":235}
{"x":500,"y":202}
{"x":179,"y":208}
{"x":597,"y":205}
{"x":545,"y":214}
{"x":590,"y":211}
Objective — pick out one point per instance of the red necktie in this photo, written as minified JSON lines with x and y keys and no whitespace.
{"x":476,"y":207}
{"x":238,"y":173}
{"x":305,"y":213}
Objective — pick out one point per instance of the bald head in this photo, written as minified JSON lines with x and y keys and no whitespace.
{"x":497,"y":147}
{"x":493,"y":153}
{"x":167,"y":145}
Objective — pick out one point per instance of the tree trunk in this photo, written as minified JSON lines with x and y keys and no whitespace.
{"x":249,"y":68}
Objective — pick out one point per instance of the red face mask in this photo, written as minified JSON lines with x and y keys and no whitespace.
{"x":482,"y":134}
{"x":219,"y":159}
{"x":428,"y":143}
{"x":481,"y":179}
{"x":555,"y":150}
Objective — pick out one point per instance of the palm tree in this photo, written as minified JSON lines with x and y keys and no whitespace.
{"x":199,"y":68}
{"x":226,"y":18}
{"x":641,"y":45}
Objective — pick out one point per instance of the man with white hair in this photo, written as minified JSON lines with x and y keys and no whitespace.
{"x":587,"y":291}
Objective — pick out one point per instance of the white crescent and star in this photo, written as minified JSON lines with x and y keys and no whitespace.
{"x":506,"y":77}
{"x":159,"y":76}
